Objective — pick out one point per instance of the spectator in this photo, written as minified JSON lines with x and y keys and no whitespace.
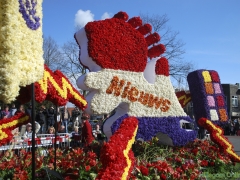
{"x":75,"y":137}
{"x":236,"y":127}
{"x":65,"y":118}
{"x":61,"y":129}
{"x":16,"y":136}
{"x":20,"y":109}
{"x":97,"y":132}
{"x":13,"y":110}
{"x":50,"y":116}
{"x":58,"y":124}
{"x":75,"y":128}
{"x":29,"y":110}
{"x":232,"y":130}
{"x":51,"y":130}
{"x":227,"y":128}
{"x":5,"y":113}
{"x":87,"y":135}
{"x":201,"y":133}
{"x":15,"y":132}
{"x":58,"y":115}
{"x":41,"y":119}
{"x":28,"y":130}
{"x":75,"y":117}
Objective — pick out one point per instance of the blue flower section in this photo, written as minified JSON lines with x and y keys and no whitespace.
{"x":148,"y":127}
{"x":28,"y":13}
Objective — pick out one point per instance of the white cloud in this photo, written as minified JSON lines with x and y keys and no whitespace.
{"x":82,"y":18}
{"x":106,"y":15}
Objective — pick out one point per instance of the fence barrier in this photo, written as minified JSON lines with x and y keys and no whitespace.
{"x":42,"y":140}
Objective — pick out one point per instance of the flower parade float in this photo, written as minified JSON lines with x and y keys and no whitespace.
{"x":116,"y":51}
{"x":120,"y":82}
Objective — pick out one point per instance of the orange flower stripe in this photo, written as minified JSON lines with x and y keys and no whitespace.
{"x":223,"y":115}
{"x":209,"y":88}
{"x":133,"y":94}
{"x":221,"y":140}
{"x":63,"y":89}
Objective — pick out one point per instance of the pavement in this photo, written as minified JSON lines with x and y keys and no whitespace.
{"x":235,"y":140}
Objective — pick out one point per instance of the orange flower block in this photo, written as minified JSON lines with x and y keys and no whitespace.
{"x":223,"y":115}
{"x":209,"y":88}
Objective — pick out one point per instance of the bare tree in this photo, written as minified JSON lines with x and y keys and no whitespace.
{"x":179,"y":68}
{"x":63,"y":58}
{"x":73,"y":69}
{"x":52,"y":56}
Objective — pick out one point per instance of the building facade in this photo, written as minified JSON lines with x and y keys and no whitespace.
{"x":232,"y":97}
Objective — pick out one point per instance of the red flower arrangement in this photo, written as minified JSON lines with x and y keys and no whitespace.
{"x":152,"y":38}
{"x":214,"y":76}
{"x":162,"y":67}
{"x":114,"y":45}
{"x":54,"y":87}
{"x":116,"y":156}
{"x":216,"y":135}
{"x":220,"y":101}
{"x":144,"y":170}
{"x":183,"y":98}
{"x":145,"y":29}
{"x":135,"y":22}
{"x":176,"y":162}
{"x":127,"y":38}
{"x":121,"y":15}
{"x":7,"y":125}
{"x":156,"y":51}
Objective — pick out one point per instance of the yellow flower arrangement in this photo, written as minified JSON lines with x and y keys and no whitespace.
{"x":21,"y":53}
{"x":206,"y":76}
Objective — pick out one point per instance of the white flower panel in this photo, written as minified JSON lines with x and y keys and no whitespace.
{"x":214,"y":115}
{"x":103,"y":102}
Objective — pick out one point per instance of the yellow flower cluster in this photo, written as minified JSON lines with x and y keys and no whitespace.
{"x":21,"y":52}
{"x":206,"y":76}
{"x":125,"y":152}
{"x":10,"y":124}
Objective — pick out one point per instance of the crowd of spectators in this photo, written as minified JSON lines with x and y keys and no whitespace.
{"x":231,"y":128}
{"x":81,"y":130}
